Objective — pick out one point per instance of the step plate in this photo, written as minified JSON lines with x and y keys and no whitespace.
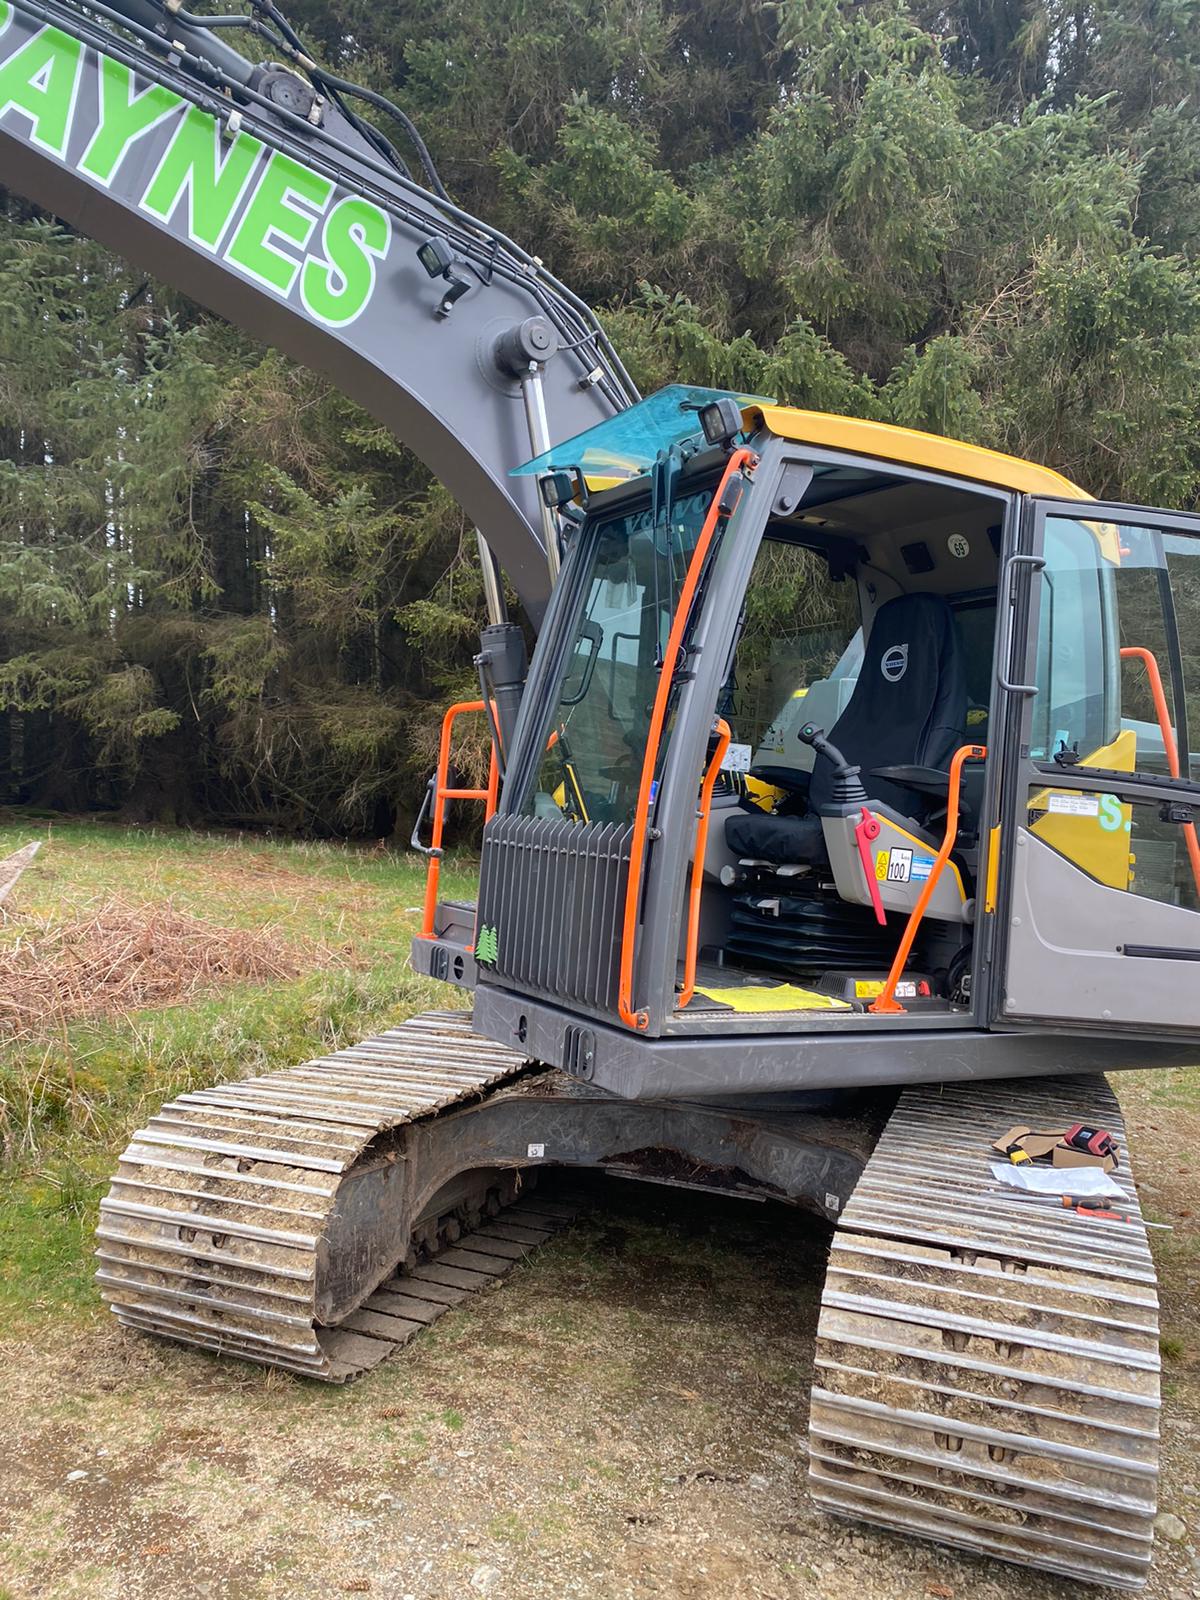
{"x":987,"y":1367}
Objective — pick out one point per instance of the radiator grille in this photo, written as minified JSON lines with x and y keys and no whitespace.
{"x":552,"y":892}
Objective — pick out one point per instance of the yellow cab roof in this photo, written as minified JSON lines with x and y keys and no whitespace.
{"x":911,"y":448}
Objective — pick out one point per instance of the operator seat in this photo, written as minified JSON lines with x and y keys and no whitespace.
{"x":908,"y":709}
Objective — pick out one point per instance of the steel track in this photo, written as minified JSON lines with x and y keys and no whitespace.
{"x":216,"y":1231}
{"x":987,"y":1368}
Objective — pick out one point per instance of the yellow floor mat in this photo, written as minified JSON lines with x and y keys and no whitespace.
{"x":773,"y":997}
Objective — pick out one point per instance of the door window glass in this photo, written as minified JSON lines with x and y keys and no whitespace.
{"x":1118,"y":648}
{"x":592,"y":765}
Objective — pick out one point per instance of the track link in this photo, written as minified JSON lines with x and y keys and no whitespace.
{"x":216,"y":1230}
{"x":987,"y":1368}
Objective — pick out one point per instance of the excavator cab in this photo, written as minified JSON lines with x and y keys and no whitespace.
{"x":834,"y":730}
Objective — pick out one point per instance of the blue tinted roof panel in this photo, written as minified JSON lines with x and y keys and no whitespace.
{"x":628,"y":443}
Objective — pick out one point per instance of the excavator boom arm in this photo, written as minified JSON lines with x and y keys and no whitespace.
{"x":262,"y":198}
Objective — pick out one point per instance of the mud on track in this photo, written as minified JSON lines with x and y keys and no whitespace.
{"x":621,"y":1418}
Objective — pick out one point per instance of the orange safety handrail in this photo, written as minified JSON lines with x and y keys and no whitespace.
{"x":887,"y":1002}
{"x":1162,"y":711}
{"x":658,"y":717}
{"x":441,"y":794}
{"x":691,"y":949}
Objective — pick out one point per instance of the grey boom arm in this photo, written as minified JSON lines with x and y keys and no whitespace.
{"x":257,"y":195}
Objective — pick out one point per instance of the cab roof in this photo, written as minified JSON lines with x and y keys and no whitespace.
{"x":909,"y":447}
{"x":626,"y":445}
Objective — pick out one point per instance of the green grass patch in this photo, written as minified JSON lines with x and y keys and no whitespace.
{"x":70,"y":1097}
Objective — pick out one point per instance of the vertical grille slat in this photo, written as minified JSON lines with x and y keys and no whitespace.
{"x":554,"y":891}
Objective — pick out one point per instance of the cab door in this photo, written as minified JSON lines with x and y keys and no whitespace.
{"x":1097,"y":894}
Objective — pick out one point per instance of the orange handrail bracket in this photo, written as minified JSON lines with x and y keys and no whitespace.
{"x":691,"y":949}
{"x":658,"y":717}
{"x":442,"y":795}
{"x":887,"y":1002}
{"x":1162,"y":711}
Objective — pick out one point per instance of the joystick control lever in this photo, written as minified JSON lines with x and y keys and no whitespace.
{"x":847,"y":785}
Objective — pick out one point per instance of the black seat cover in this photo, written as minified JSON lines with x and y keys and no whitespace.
{"x":909,"y":708}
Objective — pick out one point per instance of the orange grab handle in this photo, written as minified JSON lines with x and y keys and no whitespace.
{"x":887,"y":1001}
{"x":693,"y":924}
{"x":658,"y":716}
{"x":441,"y":794}
{"x":1162,"y":712}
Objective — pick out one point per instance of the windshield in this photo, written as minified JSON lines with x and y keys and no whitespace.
{"x":596,"y":737}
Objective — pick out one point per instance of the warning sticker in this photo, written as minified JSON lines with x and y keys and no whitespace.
{"x":1074,"y":805}
{"x":736,"y":758}
{"x":894,"y":866}
{"x":872,"y":988}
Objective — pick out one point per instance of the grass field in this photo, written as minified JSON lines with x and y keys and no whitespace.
{"x":71,"y":1093}
{"x":623,"y":1418}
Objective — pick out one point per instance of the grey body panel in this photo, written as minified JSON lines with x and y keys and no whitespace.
{"x":434,"y":382}
{"x":1066,"y":948}
{"x":1059,"y":955}
{"x":695,"y":1068}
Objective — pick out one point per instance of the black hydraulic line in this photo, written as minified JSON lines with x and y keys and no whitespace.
{"x":487,"y":695}
{"x":295,"y":49}
{"x":564,"y":308}
{"x":526,"y":270}
{"x":382,"y":103}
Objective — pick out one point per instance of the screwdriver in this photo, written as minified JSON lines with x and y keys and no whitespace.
{"x":1089,"y":1206}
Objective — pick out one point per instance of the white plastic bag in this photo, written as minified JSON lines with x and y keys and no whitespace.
{"x":1089,"y":1181}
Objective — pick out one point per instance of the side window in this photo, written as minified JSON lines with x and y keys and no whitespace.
{"x":1118,"y":649}
{"x":1118,"y":692}
{"x":1075,"y":707}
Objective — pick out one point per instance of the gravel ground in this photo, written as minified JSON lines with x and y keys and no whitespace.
{"x":624,"y":1417}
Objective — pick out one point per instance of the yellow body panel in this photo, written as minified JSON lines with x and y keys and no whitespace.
{"x":1099,"y":844}
{"x":993,"y":871}
{"x":912,"y":448}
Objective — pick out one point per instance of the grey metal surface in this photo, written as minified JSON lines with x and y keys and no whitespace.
{"x":553,"y":891}
{"x":433,"y":381}
{"x":1065,"y":948}
{"x":814,"y":1054}
{"x":987,"y":1367}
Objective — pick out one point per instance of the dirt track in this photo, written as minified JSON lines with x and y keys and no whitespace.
{"x":623,"y":1418}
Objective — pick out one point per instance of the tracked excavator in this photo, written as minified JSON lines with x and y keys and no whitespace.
{"x":843,"y":817}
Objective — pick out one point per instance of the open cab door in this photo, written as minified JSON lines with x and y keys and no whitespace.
{"x":1096,"y":878}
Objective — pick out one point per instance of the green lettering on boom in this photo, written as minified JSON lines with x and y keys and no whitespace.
{"x":193,"y":165}
{"x":271,"y":211}
{"x":5,"y":15}
{"x":41,"y":79}
{"x":124,"y":116}
{"x":356,"y":235}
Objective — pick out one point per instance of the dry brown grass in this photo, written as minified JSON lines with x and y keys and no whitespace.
{"x":122,"y":957}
